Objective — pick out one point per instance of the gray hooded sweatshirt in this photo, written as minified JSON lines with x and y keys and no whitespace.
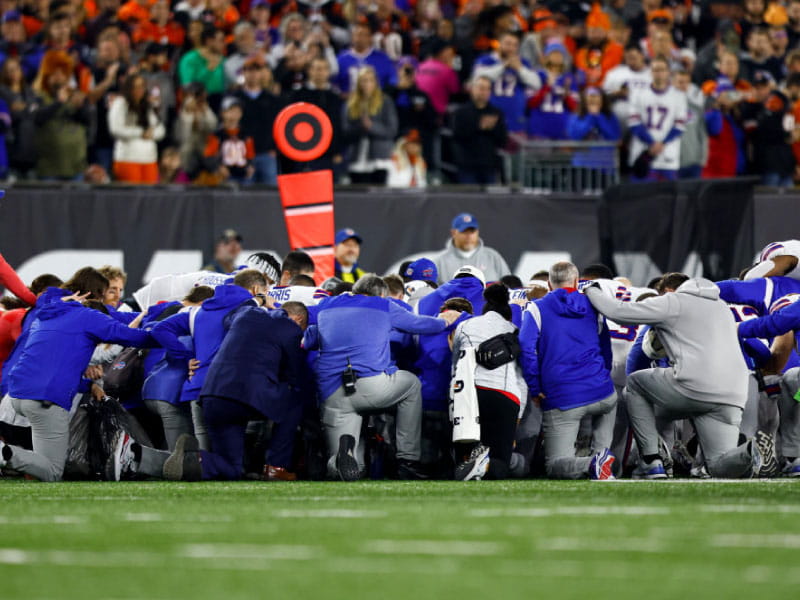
{"x":698,"y":333}
{"x":486,"y":259}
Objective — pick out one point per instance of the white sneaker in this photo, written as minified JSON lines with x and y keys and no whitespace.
{"x":122,"y":460}
{"x":762,"y":452}
{"x":476,"y":466}
{"x":652,"y":470}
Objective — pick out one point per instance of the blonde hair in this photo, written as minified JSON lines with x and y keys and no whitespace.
{"x":357,"y":100}
{"x":111,"y":273}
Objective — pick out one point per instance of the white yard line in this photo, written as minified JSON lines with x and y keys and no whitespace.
{"x":330,"y":513}
{"x":434,"y":547}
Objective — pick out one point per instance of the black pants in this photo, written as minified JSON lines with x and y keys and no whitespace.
{"x":498,"y":425}
{"x":378,"y":177}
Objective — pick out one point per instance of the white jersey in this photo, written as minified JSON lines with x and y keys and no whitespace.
{"x":785,"y":248}
{"x":170,"y":288}
{"x":622,"y":76}
{"x":305,"y":294}
{"x":659,"y":112}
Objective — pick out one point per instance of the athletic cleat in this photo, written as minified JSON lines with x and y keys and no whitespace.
{"x":791,"y":468}
{"x":699,"y":472}
{"x":762,"y":450}
{"x":476,"y":466}
{"x":184,"y":463}
{"x":600,"y":467}
{"x":122,"y":461}
{"x":346,"y":463}
{"x":653,"y":470}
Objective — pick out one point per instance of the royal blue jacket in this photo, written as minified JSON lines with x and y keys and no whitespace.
{"x":155,"y":314}
{"x":207,"y":337}
{"x":434,"y":358}
{"x":566,"y":351}
{"x":48,"y":296}
{"x":58,"y":350}
{"x":770,"y":326}
{"x":359,"y":329}
{"x":761,"y":293}
{"x":260,"y":363}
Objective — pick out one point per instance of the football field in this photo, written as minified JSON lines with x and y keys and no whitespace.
{"x":410,"y":540}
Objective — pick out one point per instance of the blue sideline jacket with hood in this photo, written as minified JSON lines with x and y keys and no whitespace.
{"x":208,"y":333}
{"x":48,"y":296}
{"x":566,"y":351}
{"x":359,"y":328}
{"x":58,"y":350}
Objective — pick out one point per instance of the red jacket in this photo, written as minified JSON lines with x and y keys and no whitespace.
{"x":10,"y":280}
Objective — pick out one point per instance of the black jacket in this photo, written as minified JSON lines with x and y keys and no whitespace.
{"x":258,"y":115}
{"x":474,"y":147}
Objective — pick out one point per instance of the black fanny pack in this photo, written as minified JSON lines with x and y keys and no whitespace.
{"x":498,"y":350}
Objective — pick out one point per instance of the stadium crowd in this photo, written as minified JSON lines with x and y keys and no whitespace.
{"x":451,"y":368}
{"x":148,"y":91}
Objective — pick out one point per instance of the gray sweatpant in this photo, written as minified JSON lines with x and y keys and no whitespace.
{"x":342,"y":414}
{"x":175,"y":418}
{"x":652,"y":392}
{"x":50,"y":437}
{"x":790,"y":413}
{"x":560,"y":429}
{"x":199,"y":424}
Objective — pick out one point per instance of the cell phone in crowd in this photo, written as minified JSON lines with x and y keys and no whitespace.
{"x":349,"y":380}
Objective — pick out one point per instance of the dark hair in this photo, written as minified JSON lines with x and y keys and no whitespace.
{"x":496,"y":296}
{"x":671,"y":281}
{"x":342,"y":288}
{"x":198,"y":294}
{"x":12,"y":302}
{"x":634,"y":46}
{"x":87,"y":279}
{"x":42,"y":282}
{"x":511,"y":281}
{"x":542,"y":275}
{"x":597,"y":271}
{"x":661,"y":58}
{"x":653,"y":283}
{"x":605,"y":108}
{"x":296,"y":262}
{"x":395,"y":284}
{"x":297,"y":309}
{"x":459,"y":304}
{"x":247,"y":278}
{"x":302,"y":280}
{"x":209,"y":33}
{"x":96,"y":305}
{"x":141,"y":107}
{"x":793,"y":78}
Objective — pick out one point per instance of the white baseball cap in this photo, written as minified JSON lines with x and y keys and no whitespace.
{"x":470,"y":270}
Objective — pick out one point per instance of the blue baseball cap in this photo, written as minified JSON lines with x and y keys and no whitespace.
{"x":422,"y":269}
{"x":465,"y":221}
{"x":345,"y":234}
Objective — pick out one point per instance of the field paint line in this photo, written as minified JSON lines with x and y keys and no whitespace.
{"x":647,"y":545}
{"x":330,"y":513}
{"x":80,"y":558}
{"x":434,"y":547}
{"x":575,"y":511}
{"x":48,"y":520}
{"x":757,"y":540}
{"x":162,"y":518}
{"x":750,"y":508}
{"x":252,"y":551}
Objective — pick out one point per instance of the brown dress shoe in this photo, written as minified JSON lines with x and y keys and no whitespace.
{"x":278,"y":474}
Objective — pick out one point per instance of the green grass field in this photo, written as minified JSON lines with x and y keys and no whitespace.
{"x":157,"y":540}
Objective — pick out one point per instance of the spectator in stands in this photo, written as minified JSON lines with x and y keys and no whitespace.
{"x":13,"y":43}
{"x":761,"y":56}
{"x":159,"y":81}
{"x":773,"y":159}
{"x":625,"y":79}
{"x":290,"y":72}
{"x":196,"y":121}
{"x":62,"y":118}
{"x":660,"y":43}
{"x":551,"y":105}
{"x":318,"y":91}
{"x":297,"y":35}
{"x":135,"y":12}
{"x":187,"y":11}
{"x":793,"y":25}
{"x":160,"y":27}
{"x":694,"y":141}
{"x":600,"y":54}
{"x":259,"y":109}
{"x":407,"y":168}
{"x":415,"y":110}
{"x":594,"y":120}
{"x":360,"y":54}
{"x":436,"y":77}
{"x":244,"y":39}
{"x":346,"y":251}
{"x":206,"y":64}
{"x":223,"y":13}
{"x":107,"y":16}
{"x":726,"y":39}
{"x":136,"y":128}
{"x":20,"y":99}
{"x":169,"y":167}
{"x":108,"y":74}
{"x":479,"y":131}
{"x":726,"y":137}
{"x":753,"y":16}
{"x":266,"y":35}
{"x":657,"y":121}
{"x":229,"y":152}
{"x":512,"y":80}
{"x":226,"y":251}
{"x":369,"y":126}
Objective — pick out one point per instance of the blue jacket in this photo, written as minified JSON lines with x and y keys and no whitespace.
{"x":566,"y":351}
{"x":434,"y":358}
{"x":759,"y":293}
{"x":770,"y":326}
{"x":359,"y":328}
{"x":260,"y":362}
{"x":48,"y":296}
{"x":58,"y":350}
{"x":208,"y":333}
{"x":155,"y":314}
{"x":638,"y":360}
